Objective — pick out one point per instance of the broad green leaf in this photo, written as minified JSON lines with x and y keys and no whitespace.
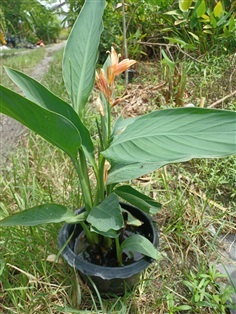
{"x":194,"y":22}
{"x":109,"y":233}
{"x":42,"y":214}
{"x":231,"y":24}
{"x":80,"y":54}
{"x":107,"y":215}
{"x":206,"y":18}
{"x":201,"y":8}
{"x":213,"y":20}
{"x":39,"y":94}
{"x":124,"y":172}
{"x":121,"y":124}
{"x":218,"y":9}
{"x":53,"y":127}
{"x":140,"y":244}
{"x":170,"y":136}
{"x":138,"y":199}
{"x":184,"y":5}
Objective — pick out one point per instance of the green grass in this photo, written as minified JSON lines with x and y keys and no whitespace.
{"x":197,"y":197}
{"x":22,"y":60}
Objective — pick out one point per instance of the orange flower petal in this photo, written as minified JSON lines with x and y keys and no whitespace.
{"x":114,"y":56}
{"x":123,"y":66}
{"x":110,"y":74}
{"x":102,"y":85}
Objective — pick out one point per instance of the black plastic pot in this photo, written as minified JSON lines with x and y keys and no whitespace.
{"x":115,"y":280}
{"x":130,"y":75}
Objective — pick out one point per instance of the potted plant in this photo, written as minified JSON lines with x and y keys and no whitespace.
{"x":107,"y":232}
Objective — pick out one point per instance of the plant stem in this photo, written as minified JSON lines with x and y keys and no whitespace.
{"x":118,"y":251}
{"x":101,"y":190}
{"x":92,"y":238}
{"x":81,"y":170}
{"x":124,"y":39}
{"x":108,"y":125}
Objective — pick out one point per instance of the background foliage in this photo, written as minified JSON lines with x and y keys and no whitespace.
{"x":151,"y":25}
{"x":29,"y":20}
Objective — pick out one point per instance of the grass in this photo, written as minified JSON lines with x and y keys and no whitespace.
{"x":22,"y":60}
{"x":198,"y":200}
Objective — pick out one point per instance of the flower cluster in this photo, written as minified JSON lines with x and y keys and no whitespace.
{"x":105,"y":79}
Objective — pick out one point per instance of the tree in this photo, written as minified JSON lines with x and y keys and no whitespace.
{"x":27,"y":18}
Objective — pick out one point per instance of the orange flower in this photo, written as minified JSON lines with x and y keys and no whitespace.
{"x":102,"y":85}
{"x":105,"y":83}
{"x":117,"y":67}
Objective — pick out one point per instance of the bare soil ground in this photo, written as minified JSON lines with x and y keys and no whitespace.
{"x":10,"y":129}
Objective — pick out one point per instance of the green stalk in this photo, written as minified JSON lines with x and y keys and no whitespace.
{"x":84,"y":168}
{"x":108,"y":124}
{"x":118,"y":251}
{"x":100,"y":181}
{"x":90,"y":237}
{"x":84,"y":182}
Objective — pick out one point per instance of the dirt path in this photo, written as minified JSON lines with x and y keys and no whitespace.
{"x":10,"y":129}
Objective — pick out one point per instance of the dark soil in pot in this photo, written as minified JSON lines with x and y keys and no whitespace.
{"x":103,"y":269}
{"x":106,"y":257}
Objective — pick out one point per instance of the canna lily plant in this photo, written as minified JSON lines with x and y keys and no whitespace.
{"x":127,"y":149}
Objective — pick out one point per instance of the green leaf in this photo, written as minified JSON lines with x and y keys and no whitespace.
{"x":174,"y":12}
{"x":109,"y":233}
{"x":140,"y":244}
{"x":183,"y":307}
{"x":134,"y":197}
{"x":170,"y":136}
{"x":153,"y":2}
{"x":200,"y":8}
{"x":42,"y":214}
{"x":218,"y":9}
{"x":124,"y":172}
{"x":176,"y":40}
{"x":80,"y":54}
{"x":194,"y":36}
{"x":167,"y":60}
{"x":107,"y":216}
{"x":184,"y":5}
{"x":121,"y":124}
{"x":213,"y":20}
{"x":231,"y":24}
{"x":178,"y":22}
{"x":39,"y":94}
{"x":131,"y":220}
{"x":179,"y":41}
{"x":53,"y":127}
{"x":207,"y":32}
{"x":2,"y":265}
